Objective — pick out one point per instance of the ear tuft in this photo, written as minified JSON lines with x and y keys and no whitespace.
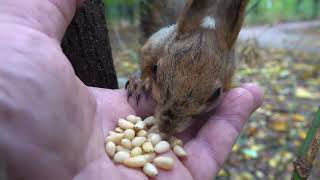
{"x":208,"y":22}
{"x":192,"y":16}
{"x":225,"y":17}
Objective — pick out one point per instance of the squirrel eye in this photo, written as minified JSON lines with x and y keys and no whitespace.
{"x":154,"y":71}
{"x":215,"y":95}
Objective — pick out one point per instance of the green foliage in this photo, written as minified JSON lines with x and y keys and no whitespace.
{"x":259,"y":11}
{"x":273,"y":11}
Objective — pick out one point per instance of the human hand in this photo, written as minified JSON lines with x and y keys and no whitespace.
{"x":208,"y":148}
{"x":59,"y":135}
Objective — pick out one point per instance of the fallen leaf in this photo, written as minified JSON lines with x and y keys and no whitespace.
{"x":302,"y":134}
{"x":286,"y":156}
{"x":222,"y":172}
{"x":298,"y":117}
{"x":250,"y":153}
{"x":297,"y":143}
{"x":305,"y":93}
{"x":251,"y":130}
{"x":245,"y":176}
{"x":279,"y":122}
{"x":273,"y":162}
{"x":235,"y":148}
{"x":259,"y":174}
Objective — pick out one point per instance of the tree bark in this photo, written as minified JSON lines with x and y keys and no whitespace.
{"x":86,"y":44}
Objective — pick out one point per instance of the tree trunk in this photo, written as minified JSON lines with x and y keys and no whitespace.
{"x":155,"y":14}
{"x":316,"y":4}
{"x":86,"y":44}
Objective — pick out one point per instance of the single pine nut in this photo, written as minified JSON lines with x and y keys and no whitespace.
{"x":138,"y":141}
{"x":149,"y":156}
{"x":116,"y":138}
{"x":142,"y":133}
{"x":149,"y":121}
{"x":135,"y":162}
{"x":162,"y":147}
{"x":166,"y":163}
{"x":140,"y":125}
{"x":136,"y":151}
{"x":126,"y":143}
{"x":124,"y":124}
{"x":110,"y":149}
{"x":121,"y":148}
{"x":129,"y":134}
{"x":175,"y":141}
{"x":112,"y":133}
{"x":154,"y":138}
{"x":119,"y":130}
{"x":132,"y":118}
{"x":150,"y":170}
{"x":147,"y":147}
{"x":138,"y":119}
{"x":179,"y":151}
{"x":121,"y":156}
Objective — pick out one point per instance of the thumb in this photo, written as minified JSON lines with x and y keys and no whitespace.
{"x":50,"y":17}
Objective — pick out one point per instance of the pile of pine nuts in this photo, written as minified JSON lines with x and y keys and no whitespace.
{"x":130,"y":144}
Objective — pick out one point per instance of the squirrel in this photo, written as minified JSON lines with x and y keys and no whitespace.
{"x":186,"y":67}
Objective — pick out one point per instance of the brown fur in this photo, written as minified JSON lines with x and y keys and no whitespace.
{"x":192,"y":62}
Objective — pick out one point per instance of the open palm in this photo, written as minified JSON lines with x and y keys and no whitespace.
{"x":208,"y":148}
{"x":52,"y":126}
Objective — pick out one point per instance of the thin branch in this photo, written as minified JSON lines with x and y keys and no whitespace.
{"x":308,"y":151}
{"x":254,"y":6}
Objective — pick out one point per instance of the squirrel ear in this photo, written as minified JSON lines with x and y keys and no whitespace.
{"x":228,"y":16}
{"x":192,"y":15}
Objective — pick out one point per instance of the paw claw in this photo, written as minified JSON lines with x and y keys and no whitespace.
{"x":129,"y":94}
{"x":127,"y":84}
{"x":138,"y":98}
{"x":137,"y":87}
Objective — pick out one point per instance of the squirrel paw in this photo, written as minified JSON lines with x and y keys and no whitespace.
{"x":135,"y":86}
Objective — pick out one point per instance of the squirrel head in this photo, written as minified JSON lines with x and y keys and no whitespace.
{"x":193,"y":61}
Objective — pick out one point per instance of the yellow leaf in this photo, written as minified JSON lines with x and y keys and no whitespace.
{"x":281,"y":126}
{"x":222,"y":172}
{"x":298,"y":118}
{"x":273,"y":163}
{"x":235,"y":148}
{"x":297,"y":143}
{"x":287,"y":156}
{"x":279,"y":122}
{"x":305,"y":93}
{"x":246,"y":176}
{"x":303,"y":134}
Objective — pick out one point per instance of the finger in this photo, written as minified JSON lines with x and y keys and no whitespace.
{"x":50,"y":17}
{"x":179,"y":171}
{"x":256,"y":92}
{"x":209,"y":150}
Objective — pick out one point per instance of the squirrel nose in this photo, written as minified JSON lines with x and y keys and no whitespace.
{"x":168,"y":114}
